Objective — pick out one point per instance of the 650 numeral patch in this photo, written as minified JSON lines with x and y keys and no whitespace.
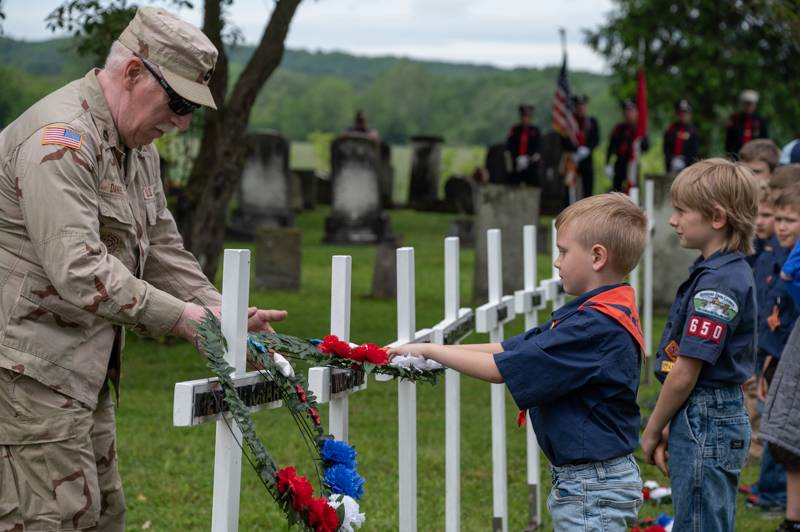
{"x":706,"y":329}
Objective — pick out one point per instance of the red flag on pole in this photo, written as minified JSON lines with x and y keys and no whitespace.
{"x":641,"y":103}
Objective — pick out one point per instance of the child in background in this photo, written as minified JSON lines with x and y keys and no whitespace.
{"x":707,"y":349}
{"x":780,"y":429}
{"x":578,"y":374}
{"x":761,"y":156}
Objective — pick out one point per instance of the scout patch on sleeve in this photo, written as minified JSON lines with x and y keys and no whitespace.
{"x":705,"y":329}
{"x":716,"y":304}
{"x":62,"y":137}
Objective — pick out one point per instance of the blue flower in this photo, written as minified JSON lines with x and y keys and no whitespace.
{"x":338,"y":452}
{"x":343,"y":480}
{"x":258,"y":346}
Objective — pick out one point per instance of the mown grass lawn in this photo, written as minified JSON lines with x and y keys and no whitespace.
{"x":167,"y":472}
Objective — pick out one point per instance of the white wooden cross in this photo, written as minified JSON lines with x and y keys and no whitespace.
{"x":633,"y":193}
{"x":199,"y":401}
{"x":334,"y":385}
{"x":458,"y":323}
{"x":649,"y":191}
{"x":406,"y":392}
{"x":529,"y":301}
{"x":490,"y":318}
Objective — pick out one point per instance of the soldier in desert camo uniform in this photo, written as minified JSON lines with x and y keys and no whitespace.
{"x":88,"y":249}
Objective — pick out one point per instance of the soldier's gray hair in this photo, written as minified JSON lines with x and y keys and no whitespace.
{"x":117,"y":58}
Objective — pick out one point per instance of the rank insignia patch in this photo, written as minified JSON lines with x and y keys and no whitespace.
{"x":716,"y":304}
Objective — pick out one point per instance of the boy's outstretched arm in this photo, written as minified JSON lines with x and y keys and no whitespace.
{"x":677,"y":387}
{"x":475,"y":363}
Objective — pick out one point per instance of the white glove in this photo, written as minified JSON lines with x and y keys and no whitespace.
{"x":522,"y":162}
{"x":609,"y":171}
{"x":582,"y":153}
{"x":677,"y":164}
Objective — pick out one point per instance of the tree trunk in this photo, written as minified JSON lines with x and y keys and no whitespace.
{"x":217,"y":169}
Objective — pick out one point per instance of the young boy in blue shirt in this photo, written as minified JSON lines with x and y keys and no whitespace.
{"x":707,"y":350}
{"x":578,"y":374}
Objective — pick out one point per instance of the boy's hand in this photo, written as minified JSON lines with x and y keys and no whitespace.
{"x":650,"y":441}
{"x":417,"y":350}
{"x":763,"y":389}
{"x":661,"y":455}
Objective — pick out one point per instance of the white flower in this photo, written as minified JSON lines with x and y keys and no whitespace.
{"x":352,"y":518}
{"x":414,"y":362}
{"x":283,"y":365}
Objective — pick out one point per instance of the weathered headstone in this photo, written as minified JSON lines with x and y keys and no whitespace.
{"x":387,"y":176}
{"x":464,"y":229}
{"x":426,"y":159}
{"x":384,"y":272}
{"x":497,"y":163}
{"x":670,"y":261}
{"x":508,"y":209}
{"x":459,"y":194}
{"x":308,"y":187}
{"x":279,"y":254}
{"x":265,"y":193}
{"x":356,"y":209}
{"x":554,"y":192}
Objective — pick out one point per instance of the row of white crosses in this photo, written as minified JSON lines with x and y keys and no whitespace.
{"x":199,"y":401}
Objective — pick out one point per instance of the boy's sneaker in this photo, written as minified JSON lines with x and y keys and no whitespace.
{"x":752,"y":502}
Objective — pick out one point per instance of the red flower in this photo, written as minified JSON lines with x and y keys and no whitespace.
{"x":301,"y":393}
{"x":299,"y":487}
{"x":522,"y":418}
{"x":314,"y":416}
{"x":322,"y":516}
{"x":646,"y":494}
{"x":333,"y":346}
{"x":376,"y":355}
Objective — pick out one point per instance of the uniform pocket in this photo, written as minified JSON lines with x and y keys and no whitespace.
{"x":114,"y":210}
{"x":43,"y":324}
{"x":733,"y":441}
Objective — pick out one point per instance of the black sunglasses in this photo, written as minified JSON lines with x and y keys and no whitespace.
{"x":177,"y":103}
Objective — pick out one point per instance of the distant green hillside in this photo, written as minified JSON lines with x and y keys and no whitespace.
{"x":320,"y":91}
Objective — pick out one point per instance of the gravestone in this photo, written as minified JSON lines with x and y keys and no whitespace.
{"x":425,"y":162}
{"x":279,"y":254}
{"x":265,"y":192}
{"x":387,"y":176}
{"x":459,"y":195}
{"x":356,"y":209}
{"x":508,"y":209}
{"x":384,"y":272}
{"x":308,"y":187}
{"x":498,"y":163}
{"x":554,"y":192}
{"x":670,"y":261}
{"x":464,"y":229}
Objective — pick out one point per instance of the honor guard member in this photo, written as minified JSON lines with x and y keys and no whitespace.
{"x":523,"y":144}
{"x":88,"y":249}
{"x":620,"y":145}
{"x":588,"y":137}
{"x":745,"y":124}
{"x":680,"y":139}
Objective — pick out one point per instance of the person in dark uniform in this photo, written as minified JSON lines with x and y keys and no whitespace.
{"x":588,"y":139}
{"x":745,"y":125}
{"x":680,"y":139}
{"x":523,"y":144}
{"x":620,"y":146}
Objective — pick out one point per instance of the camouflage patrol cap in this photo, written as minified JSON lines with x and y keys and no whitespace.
{"x":182,"y":52}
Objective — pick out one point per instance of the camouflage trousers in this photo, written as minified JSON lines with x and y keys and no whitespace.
{"x":58,"y":460}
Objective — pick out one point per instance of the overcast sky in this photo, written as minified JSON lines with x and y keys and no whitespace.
{"x":505,"y":33}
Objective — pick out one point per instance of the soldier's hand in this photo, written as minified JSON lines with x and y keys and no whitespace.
{"x":258,"y":320}
{"x":185,"y":326}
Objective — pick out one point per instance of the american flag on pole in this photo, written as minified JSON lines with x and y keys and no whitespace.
{"x":563,"y":118}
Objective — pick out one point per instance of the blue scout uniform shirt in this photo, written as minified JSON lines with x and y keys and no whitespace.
{"x":779,"y":312}
{"x":763,"y":263}
{"x":792,"y":268}
{"x":578,"y":375}
{"x":713,"y":318}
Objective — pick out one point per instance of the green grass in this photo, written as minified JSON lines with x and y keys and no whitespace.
{"x":167,"y":472}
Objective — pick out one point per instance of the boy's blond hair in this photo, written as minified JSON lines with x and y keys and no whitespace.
{"x":611,"y":220}
{"x":788,"y":196}
{"x":784,"y":176}
{"x":761,"y":150}
{"x":721,"y":183}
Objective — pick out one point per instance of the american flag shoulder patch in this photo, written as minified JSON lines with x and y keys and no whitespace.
{"x":62,"y":136}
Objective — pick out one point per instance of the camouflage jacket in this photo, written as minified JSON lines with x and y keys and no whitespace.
{"x":87,"y":245}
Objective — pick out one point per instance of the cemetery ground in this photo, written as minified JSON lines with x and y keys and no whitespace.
{"x":167,"y":472}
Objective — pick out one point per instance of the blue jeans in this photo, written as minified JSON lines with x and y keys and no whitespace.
{"x":708,"y":443}
{"x":600,"y":496}
{"x":771,"y":482}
